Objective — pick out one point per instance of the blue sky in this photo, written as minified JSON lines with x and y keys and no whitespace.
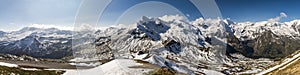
{"x":155,"y":8}
{"x":15,"y":14}
{"x":258,"y":10}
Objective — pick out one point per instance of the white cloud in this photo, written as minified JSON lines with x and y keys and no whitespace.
{"x":82,"y":27}
{"x":85,"y":27}
{"x":188,"y":15}
{"x":168,"y":18}
{"x":45,"y":26}
{"x":276,"y":19}
{"x":283,"y":14}
{"x":89,"y":27}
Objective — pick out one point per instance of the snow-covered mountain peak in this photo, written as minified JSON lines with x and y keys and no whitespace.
{"x":294,"y":22}
{"x":33,"y":31}
{"x":228,"y":21}
{"x":251,"y":29}
{"x":145,"y":18}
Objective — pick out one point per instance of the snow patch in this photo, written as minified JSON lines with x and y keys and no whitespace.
{"x":114,"y":67}
{"x":8,"y":64}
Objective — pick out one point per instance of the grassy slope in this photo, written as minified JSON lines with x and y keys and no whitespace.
{"x":293,"y":69}
{"x":17,"y":71}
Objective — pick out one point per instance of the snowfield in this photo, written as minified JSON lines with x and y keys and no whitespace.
{"x":114,"y":67}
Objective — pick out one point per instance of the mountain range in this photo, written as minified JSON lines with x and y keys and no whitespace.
{"x":175,"y":43}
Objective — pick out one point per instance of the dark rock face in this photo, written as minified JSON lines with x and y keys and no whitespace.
{"x":268,"y":45}
{"x":173,"y":46}
{"x":103,"y":48}
{"x":235,"y":45}
{"x":1,"y":33}
{"x":102,"y":40}
{"x":151,"y":29}
{"x":272,"y":46}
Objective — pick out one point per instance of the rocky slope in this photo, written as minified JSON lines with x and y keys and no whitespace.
{"x":265,"y":39}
